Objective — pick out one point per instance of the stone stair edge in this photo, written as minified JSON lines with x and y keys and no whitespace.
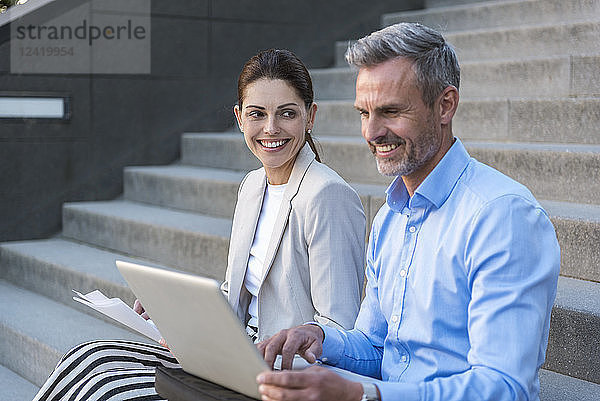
{"x":558,"y":387}
{"x":505,"y":11}
{"x":159,"y":215}
{"x":533,"y":146}
{"x":63,"y":264}
{"x":37,"y":324}
{"x":180,"y":239}
{"x":568,"y":295}
{"x":15,"y":387}
{"x":574,"y":210}
{"x":469,"y":63}
{"x":568,"y":301}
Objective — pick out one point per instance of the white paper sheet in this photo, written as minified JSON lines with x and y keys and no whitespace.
{"x":118,"y":310}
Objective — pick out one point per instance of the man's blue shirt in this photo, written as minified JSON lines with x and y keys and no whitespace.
{"x":461,"y":282}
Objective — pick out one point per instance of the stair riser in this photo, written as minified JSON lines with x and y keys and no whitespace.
{"x":552,"y":77}
{"x":579,"y":246}
{"x":185,"y":194}
{"x":578,"y":238}
{"x":26,"y":356}
{"x":554,"y":121}
{"x":565,"y":176}
{"x":580,"y":254}
{"x":548,"y":41}
{"x":538,"y":42}
{"x":56,"y":281}
{"x":486,"y":16}
{"x":205,"y":255}
{"x":222,"y":153}
{"x":573,"y":346}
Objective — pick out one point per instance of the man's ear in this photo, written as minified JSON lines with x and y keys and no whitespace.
{"x":238,"y":116}
{"x":448,"y":103}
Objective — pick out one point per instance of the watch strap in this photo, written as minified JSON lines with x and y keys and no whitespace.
{"x":370,"y":392}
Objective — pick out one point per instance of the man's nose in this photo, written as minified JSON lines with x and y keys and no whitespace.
{"x":372,"y":128}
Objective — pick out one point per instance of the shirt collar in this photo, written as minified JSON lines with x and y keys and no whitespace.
{"x":438,"y":185}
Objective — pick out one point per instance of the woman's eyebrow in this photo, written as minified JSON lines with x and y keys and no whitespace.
{"x":254,"y":106}
{"x":286,"y":105}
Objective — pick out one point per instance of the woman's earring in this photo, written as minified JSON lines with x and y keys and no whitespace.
{"x":309,"y":131}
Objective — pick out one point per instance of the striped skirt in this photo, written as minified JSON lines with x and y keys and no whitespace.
{"x":107,"y":370}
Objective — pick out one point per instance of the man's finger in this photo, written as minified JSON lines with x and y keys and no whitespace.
{"x":288,"y":350}
{"x":273,"y":347}
{"x":312,"y":352}
{"x":288,"y":379}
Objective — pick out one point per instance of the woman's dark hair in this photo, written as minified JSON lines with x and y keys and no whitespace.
{"x":284,"y":65}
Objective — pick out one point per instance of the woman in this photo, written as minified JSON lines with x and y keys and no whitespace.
{"x":297,"y":245}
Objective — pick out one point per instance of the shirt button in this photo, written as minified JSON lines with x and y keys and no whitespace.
{"x":402,"y":273}
{"x":394,"y":318}
{"x":412,"y":229}
{"x":404,"y":358}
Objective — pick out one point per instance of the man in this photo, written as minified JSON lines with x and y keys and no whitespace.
{"x":462,"y":263}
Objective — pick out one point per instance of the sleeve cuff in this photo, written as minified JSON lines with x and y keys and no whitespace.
{"x":398,"y":391}
{"x":333,"y":344}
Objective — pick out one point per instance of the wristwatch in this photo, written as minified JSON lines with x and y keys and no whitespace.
{"x":370,"y":392}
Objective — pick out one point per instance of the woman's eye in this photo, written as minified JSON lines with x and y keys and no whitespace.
{"x":288,"y":113}
{"x":255,"y":114}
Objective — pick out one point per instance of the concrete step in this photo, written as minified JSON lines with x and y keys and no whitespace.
{"x":53,"y":267}
{"x":36,"y":331}
{"x":556,"y":39}
{"x":577,"y":225}
{"x":529,"y":120}
{"x":225,"y":150}
{"x":557,"y":387}
{"x":491,"y":14}
{"x":446,"y":3}
{"x":574,"y":330}
{"x":552,"y":77}
{"x":574,"y":327}
{"x":184,"y":187}
{"x":182,"y":240}
{"x":578,"y":231}
{"x":560,"y":172}
{"x":14,"y":387}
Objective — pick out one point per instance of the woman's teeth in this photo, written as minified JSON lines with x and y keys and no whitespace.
{"x":273,"y":144}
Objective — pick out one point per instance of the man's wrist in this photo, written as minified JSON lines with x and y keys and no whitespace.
{"x":321,"y":331}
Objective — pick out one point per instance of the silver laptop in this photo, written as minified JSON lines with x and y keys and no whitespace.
{"x":201,"y":329}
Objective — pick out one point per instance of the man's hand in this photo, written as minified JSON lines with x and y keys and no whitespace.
{"x":305,"y":340}
{"x":314,"y":383}
{"x":139,"y":309}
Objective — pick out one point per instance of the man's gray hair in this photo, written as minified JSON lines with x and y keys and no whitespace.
{"x":434,"y":60}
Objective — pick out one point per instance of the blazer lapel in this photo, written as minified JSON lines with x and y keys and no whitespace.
{"x":251,"y":204}
{"x":303,"y":160}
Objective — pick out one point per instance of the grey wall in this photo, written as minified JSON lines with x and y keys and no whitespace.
{"x":198,"y":48}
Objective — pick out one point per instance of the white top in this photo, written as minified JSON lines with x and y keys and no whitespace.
{"x":258,"y":251}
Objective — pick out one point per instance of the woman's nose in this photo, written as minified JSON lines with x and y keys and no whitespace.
{"x":271,"y":126}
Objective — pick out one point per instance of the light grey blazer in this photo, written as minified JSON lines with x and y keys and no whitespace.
{"x":314,"y":265}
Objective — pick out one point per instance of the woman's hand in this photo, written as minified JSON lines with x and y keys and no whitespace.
{"x":139,"y":309}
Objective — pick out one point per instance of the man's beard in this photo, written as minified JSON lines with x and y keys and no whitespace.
{"x":412,"y":156}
